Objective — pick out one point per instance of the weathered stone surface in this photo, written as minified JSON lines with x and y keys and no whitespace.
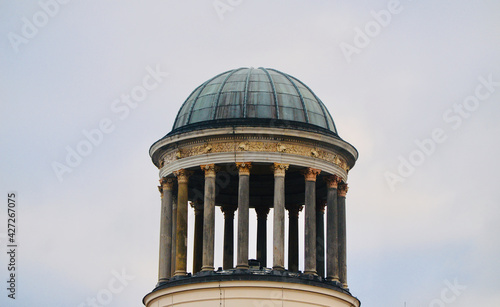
{"x":228,"y":255}
{"x":182,"y":212}
{"x":165,"y":263}
{"x":262,"y":213}
{"x":279,"y":221}
{"x":243,"y":214}
{"x":293,"y":237}
{"x":320,"y":238}
{"x":332,"y":237}
{"x":310,"y":224}
{"x":342,"y":190}
{"x":209,"y":221}
{"x":198,"y":237}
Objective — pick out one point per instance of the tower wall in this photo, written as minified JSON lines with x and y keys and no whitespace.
{"x":249,"y":293}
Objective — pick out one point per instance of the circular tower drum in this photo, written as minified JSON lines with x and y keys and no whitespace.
{"x":253,"y":139}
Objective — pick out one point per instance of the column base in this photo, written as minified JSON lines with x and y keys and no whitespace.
{"x":278,"y":268}
{"x":207,"y":268}
{"x":162,"y":281}
{"x":333,"y":279}
{"x":242,"y":267}
{"x":311,"y":273}
{"x":180,"y":273}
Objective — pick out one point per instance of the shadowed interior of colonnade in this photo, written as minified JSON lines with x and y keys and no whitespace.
{"x":261,"y":187}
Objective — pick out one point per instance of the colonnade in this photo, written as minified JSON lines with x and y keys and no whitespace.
{"x":174,"y":225}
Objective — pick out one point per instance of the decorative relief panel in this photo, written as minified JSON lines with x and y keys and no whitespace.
{"x":256,"y":146}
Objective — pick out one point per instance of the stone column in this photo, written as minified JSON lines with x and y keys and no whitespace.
{"x":332,"y":237}
{"x":243,"y":206}
{"x":182,"y":227}
{"x":198,"y":236}
{"x":342,"y":190}
{"x":279,"y":216}
{"x":310,"y":220}
{"x":165,"y":265}
{"x":293,"y":237}
{"x":262,"y":213}
{"x":174,"y":234}
{"x":209,"y":217}
{"x":320,"y":237}
{"x":227,"y":258}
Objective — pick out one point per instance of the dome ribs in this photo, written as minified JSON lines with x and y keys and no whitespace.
{"x":322,"y":106}
{"x":180,"y":110}
{"x":214,"y":110}
{"x":245,"y":96}
{"x":249,"y":96}
{"x":199,"y":93}
{"x":306,"y":115}
{"x":274,"y":91}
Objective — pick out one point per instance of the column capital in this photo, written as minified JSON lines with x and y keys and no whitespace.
{"x":332,"y":181}
{"x":209,"y":169}
{"x":262,"y":212}
{"x":343,"y":189}
{"x":279,"y":169}
{"x":182,"y":175}
{"x":160,"y":189}
{"x":320,"y":205}
{"x":244,"y":168}
{"x":167,"y":183}
{"x":293,"y":210}
{"x":198,"y":207}
{"x":228,"y":211}
{"x":310,"y":173}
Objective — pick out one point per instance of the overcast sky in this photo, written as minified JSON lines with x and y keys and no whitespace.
{"x":413,"y":85}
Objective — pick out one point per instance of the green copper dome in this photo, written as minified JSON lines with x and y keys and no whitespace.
{"x":249,"y":96}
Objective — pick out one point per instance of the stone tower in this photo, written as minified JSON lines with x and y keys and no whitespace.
{"x":253,"y":139}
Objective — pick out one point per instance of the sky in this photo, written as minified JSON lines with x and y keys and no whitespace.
{"x":87,"y":87}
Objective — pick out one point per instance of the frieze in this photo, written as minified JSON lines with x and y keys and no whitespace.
{"x":255,"y":146}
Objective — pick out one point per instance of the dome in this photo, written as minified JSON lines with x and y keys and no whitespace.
{"x":254,"y":97}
